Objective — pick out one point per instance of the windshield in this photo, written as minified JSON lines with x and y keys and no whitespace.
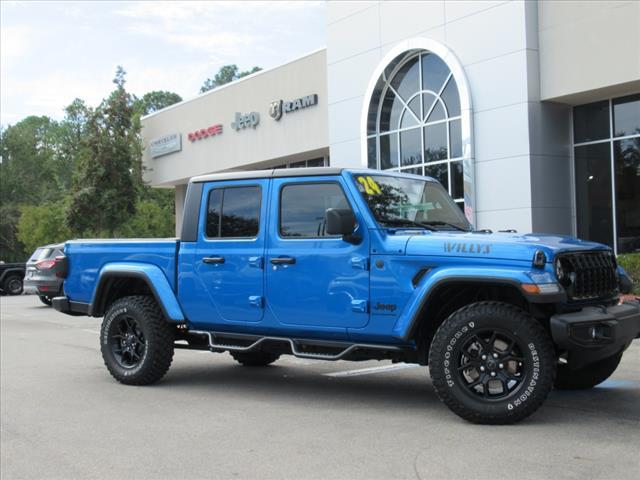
{"x":408,"y":202}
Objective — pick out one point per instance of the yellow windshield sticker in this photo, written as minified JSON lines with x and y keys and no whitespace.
{"x":363,"y":181}
{"x":371,"y":187}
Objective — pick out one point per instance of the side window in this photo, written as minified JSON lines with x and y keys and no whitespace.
{"x":234,"y":212}
{"x":302,"y":208}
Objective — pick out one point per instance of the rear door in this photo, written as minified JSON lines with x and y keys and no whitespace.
{"x":228,"y":259}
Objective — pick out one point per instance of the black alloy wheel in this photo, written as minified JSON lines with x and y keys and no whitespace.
{"x":491,"y":364}
{"x":127,"y":342}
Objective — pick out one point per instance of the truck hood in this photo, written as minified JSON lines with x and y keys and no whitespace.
{"x":505,"y":246}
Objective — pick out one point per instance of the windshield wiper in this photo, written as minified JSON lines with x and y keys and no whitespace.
{"x":404,"y":222}
{"x":446,"y":224}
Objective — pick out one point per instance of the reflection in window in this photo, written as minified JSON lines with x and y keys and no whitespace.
{"x":234,"y":212}
{"x":593,"y":193}
{"x":626,"y":116}
{"x":606,"y":139}
{"x":414,"y":120}
{"x":303,"y":207}
{"x":627,"y":168}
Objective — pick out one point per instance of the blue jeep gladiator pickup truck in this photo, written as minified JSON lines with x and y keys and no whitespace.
{"x":329,"y":264}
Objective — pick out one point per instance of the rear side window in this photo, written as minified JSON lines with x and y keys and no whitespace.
{"x":234,"y":212}
{"x":302,"y":208}
{"x":40,"y":254}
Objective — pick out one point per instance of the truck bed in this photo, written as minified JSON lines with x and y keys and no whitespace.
{"x":86,"y":258}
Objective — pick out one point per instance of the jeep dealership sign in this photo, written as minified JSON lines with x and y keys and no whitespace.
{"x":241,"y":121}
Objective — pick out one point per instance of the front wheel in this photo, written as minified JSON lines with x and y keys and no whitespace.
{"x":587,"y":377}
{"x":492,"y":363}
{"x":136,"y":341}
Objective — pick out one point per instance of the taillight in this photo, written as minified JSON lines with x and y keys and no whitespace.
{"x":45,"y":264}
{"x":63,"y":266}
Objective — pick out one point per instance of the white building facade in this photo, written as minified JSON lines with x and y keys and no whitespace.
{"x":527,"y":112}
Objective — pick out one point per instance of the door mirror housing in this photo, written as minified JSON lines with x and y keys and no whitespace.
{"x":341,"y":221}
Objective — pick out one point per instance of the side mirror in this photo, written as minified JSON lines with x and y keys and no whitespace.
{"x":339,"y":221}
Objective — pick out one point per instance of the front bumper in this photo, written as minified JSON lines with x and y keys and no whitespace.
{"x":595,"y":333}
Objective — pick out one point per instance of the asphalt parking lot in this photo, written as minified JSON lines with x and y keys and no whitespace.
{"x":63,"y":416}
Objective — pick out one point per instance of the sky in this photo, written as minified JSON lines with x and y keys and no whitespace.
{"x":52,"y":52}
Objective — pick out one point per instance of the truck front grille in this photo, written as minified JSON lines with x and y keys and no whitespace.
{"x":588,"y":275}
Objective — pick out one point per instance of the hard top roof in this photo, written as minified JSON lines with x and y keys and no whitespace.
{"x":294,"y":172}
{"x":271,"y":173}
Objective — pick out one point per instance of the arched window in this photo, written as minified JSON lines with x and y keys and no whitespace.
{"x":415,"y":123}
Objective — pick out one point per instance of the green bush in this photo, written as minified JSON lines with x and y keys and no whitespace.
{"x":631,"y":263}
{"x":42,"y":225}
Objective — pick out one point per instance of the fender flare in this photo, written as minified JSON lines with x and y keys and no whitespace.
{"x":430,"y":283}
{"x":152,"y":275}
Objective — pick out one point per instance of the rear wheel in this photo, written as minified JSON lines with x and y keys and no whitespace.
{"x":46,"y":300}
{"x":255,"y":359}
{"x":588,"y":376}
{"x":12,"y":285}
{"x":136,"y":341}
{"x":492,"y":363}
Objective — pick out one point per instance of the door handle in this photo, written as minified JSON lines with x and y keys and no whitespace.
{"x":216,"y":260}
{"x":283,"y":261}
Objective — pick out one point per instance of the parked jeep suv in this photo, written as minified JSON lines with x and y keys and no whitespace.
{"x":331,"y":264}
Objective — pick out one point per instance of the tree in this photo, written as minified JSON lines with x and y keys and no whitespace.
{"x":27,"y":150}
{"x":226,"y":74}
{"x":72,"y":131}
{"x":154,"y":101}
{"x":104,"y":191}
{"x":152,"y":219}
{"x":42,"y":225}
{"x":11,"y":250}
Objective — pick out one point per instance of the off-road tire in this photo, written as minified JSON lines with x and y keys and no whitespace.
{"x":535,"y":374}
{"x":158,"y":342}
{"x":46,"y":300}
{"x":13,"y":285}
{"x":587,"y":377}
{"x":255,"y":359}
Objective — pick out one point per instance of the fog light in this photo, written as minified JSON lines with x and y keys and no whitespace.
{"x":600,"y":333}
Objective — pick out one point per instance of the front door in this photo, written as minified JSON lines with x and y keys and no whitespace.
{"x":314,"y":279}
{"x":229,"y":255}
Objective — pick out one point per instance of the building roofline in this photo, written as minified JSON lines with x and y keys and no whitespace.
{"x":230,"y":84}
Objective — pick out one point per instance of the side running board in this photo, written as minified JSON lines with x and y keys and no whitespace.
{"x":295,"y":345}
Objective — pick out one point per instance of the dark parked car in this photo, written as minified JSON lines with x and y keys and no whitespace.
{"x":43,"y":273}
{"x":11,"y":275}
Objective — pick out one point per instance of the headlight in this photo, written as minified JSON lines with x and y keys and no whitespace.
{"x":564,"y":272}
{"x":559,"y":270}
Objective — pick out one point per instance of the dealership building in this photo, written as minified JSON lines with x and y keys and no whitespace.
{"x":527,"y":112}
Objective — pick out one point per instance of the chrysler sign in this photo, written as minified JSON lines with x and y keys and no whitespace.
{"x":165,"y":145}
{"x":277,"y":108}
